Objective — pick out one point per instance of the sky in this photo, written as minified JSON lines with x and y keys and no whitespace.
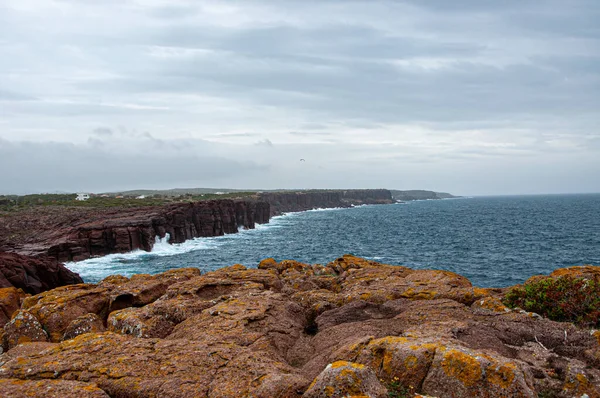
{"x":472,"y":97}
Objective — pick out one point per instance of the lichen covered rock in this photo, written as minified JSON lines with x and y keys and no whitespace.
{"x":49,"y":389}
{"x":343,"y":379}
{"x":88,"y":323}
{"x":22,"y":328}
{"x":352,"y":327}
{"x":10,"y":302}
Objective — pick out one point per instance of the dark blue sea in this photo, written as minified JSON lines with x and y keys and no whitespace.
{"x":494,"y":241}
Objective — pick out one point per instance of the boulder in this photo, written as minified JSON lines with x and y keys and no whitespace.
{"x":22,"y":328}
{"x":342,"y":379}
{"x":10,"y":302}
{"x":34,"y":275}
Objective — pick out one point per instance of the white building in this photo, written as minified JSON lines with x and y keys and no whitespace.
{"x":82,"y":196}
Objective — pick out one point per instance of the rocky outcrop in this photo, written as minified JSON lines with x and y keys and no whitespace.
{"x":282,"y":202}
{"x":352,"y":327}
{"x":77,"y":234}
{"x":34,"y":275}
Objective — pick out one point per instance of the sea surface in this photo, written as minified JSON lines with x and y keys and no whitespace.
{"x":494,"y":241}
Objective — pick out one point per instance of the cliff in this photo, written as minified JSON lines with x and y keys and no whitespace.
{"x":417,"y":194}
{"x":68,"y":234}
{"x":282,"y":202}
{"x":74,"y":234}
{"x":352,"y":327}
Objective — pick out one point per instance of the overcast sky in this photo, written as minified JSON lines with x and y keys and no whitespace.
{"x":466,"y":96}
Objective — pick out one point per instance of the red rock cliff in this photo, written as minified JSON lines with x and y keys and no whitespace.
{"x":282,"y":202}
{"x":77,"y":234}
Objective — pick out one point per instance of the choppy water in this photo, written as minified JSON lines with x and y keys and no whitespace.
{"x":494,"y":241}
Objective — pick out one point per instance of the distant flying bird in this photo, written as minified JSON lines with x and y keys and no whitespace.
{"x":302,"y":160}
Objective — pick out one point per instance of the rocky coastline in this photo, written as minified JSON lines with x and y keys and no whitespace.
{"x":67,"y":234}
{"x":352,"y":327}
{"x":293,"y":201}
{"x":43,"y":237}
{"x":74,"y":234}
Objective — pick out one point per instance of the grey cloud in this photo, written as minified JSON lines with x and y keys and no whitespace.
{"x":308,"y":133}
{"x":266,"y":142}
{"x":460,"y":81}
{"x":173,"y":11}
{"x":51,"y":166}
{"x":6,"y":95}
{"x":103,"y":132}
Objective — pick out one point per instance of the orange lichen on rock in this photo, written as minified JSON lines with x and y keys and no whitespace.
{"x":493,"y":304}
{"x":10,"y":302}
{"x":354,"y":327}
{"x":582,"y":271}
{"x":22,"y":328}
{"x":578,"y":382}
{"x":50,"y":388}
{"x":343,"y":379}
{"x":463,"y":367}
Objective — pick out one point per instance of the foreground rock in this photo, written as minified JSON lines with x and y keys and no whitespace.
{"x":34,"y":275}
{"x":352,"y":327}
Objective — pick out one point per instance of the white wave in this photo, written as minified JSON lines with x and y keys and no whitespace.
{"x":328,"y":209}
{"x":120,"y":263}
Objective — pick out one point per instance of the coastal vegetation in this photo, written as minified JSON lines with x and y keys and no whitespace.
{"x":563,"y":299}
{"x":15,"y":202}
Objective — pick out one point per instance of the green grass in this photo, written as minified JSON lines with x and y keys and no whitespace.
{"x":15,"y":203}
{"x":397,"y":390}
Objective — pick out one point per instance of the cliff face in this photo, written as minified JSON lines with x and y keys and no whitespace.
{"x":282,"y":202}
{"x":417,"y":194}
{"x":352,"y":327}
{"x":34,"y":275}
{"x":74,"y":234}
{"x":97,"y":232}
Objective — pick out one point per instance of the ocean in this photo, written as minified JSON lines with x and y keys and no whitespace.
{"x":493,"y":241}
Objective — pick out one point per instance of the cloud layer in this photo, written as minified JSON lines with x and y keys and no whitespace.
{"x":467,"y":96}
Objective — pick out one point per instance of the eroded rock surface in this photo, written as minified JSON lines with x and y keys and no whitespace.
{"x":352,"y":327}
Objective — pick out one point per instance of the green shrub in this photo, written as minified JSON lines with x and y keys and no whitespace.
{"x":564,"y":299}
